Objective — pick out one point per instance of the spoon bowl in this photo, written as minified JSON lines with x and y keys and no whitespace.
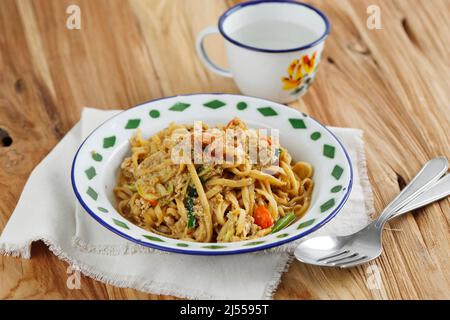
{"x":341,"y":250}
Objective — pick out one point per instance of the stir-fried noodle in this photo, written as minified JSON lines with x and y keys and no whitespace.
{"x":215,"y":201}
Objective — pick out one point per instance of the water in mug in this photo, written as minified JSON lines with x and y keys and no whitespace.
{"x":274,"y":35}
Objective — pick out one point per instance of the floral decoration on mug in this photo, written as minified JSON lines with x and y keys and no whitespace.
{"x":300,"y":74}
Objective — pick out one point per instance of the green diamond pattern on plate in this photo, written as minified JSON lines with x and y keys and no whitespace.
{"x":241,"y":105}
{"x":109,"y":142}
{"x":254,"y":243}
{"x":96,"y":156}
{"x":91,"y":192}
{"x":267,"y":111}
{"x":155,"y":113}
{"x":90,"y":173}
{"x":336,"y":189}
{"x":297,"y":123}
{"x":152,"y":238}
{"x":179,"y":106}
{"x":283,"y":235}
{"x":305,"y":224}
{"x":214,"y":104}
{"x":182,"y":245}
{"x":315,"y":135}
{"x":327,"y":205}
{"x":121,"y":224}
{"x":214,"y":246}
{"x":133,"y":123}
{"x":328,"y":151}
{"x":337,"y":172}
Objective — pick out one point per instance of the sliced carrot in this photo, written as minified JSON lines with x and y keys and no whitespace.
{"x":262,"y":217}
{"x":153,"y":203}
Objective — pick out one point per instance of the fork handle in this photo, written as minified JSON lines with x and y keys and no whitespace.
{"x":427,"y":176}
{"x":439,"y":190}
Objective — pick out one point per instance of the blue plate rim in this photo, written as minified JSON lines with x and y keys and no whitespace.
{"x":212,"y":253}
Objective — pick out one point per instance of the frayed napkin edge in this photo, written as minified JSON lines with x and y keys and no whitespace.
{"x":24,"y":251}
{"x":364,"y":177}
{"x":17,"y":251}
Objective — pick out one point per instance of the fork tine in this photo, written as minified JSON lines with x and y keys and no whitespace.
{"x":333,"y":255}
{"x":342,"y":259}
{"x":354,"y":262}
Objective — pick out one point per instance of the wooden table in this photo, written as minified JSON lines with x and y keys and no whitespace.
{"x":393,"y":83}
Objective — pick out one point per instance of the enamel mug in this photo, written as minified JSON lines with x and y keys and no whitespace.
{"x":273,"y":47}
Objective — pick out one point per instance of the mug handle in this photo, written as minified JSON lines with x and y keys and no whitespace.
{"x":204,"y":56}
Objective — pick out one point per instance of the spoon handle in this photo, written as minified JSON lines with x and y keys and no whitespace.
{"x":427,"y":176}
{"x":439,"y":190}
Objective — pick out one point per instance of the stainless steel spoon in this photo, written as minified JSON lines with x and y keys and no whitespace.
{"x":365,"y":245}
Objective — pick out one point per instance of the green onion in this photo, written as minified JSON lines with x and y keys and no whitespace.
{"x":283,"y":222}
{"x":132,"y":187}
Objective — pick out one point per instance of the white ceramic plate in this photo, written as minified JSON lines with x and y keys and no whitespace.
{"x":97,"y":161}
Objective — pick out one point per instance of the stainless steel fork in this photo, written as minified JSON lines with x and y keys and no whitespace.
{"x":365,"y":245}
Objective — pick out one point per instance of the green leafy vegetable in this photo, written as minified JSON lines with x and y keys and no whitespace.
{"x":283,"y":222}
{"x":191,"y":193}
{"x":191,"y":215}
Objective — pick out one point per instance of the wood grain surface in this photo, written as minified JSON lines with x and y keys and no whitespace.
{"x":393,"y":83}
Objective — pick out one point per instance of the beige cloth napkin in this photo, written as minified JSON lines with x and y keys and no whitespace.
{"x":47,"y":210}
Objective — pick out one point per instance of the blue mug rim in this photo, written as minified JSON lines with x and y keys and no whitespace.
{"x":239,"y":6}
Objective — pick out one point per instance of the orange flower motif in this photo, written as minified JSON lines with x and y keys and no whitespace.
{"x":289,"y":84}
{"x":295,"y":76}
{"x":309,"y":63}
{"x":293,"y":66}
{"x":299,"y":71}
